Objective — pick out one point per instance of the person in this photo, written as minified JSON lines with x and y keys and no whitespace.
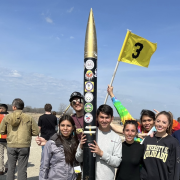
{"x":47,"y":123}
{"x":176,"y":135}
{"x":58,"y":157}
{"x":54,"y":113}
{"x":107,"y":147}
{"x":147,"y":118}
{"x":132,"y":153}
{"x":3,"y":142}
{"x":161,"y":153}
{"x":178,"y":119}
{"x":20,"y":128}
{"x":77,"y":103}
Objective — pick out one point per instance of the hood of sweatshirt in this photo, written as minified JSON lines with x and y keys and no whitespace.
{"x":16,"y":118}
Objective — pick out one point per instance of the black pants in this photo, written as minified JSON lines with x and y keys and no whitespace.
{"x":21,"y":155}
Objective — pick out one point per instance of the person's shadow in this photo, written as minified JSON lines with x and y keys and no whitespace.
{"x":33,"y":178}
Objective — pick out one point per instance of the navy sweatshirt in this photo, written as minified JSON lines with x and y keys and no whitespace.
{"x":161,"y":158}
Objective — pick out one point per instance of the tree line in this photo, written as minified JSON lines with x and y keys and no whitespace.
{"x":30,"y":109}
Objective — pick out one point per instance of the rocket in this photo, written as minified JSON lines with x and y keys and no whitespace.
{"x":90,"y":98}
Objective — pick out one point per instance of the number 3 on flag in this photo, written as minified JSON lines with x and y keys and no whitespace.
{"x":138,"y":50}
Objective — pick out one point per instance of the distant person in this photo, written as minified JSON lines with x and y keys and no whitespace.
{"x":58,"y":157}
{"x":54,"y":113}
{"x":178,"y":119}
{"x":132,"y":153}
{"x":47,"y":123}
{"x":20,"y":128}
{"x":3,"y":142}
{"x":107,"y":147}
{"x":176,"y":135}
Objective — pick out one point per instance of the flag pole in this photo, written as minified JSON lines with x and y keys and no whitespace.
{"x":119,"y":59}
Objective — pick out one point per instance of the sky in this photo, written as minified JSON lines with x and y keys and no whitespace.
{"x":42,"y":52}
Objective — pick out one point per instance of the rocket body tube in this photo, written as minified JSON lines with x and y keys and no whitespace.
{"x":90,"y":96}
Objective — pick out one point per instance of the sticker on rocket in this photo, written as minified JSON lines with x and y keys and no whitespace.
{"x":89,"y":86}
{"x":89,"y":64}
{"x":88,"y":118}
{"x":89,"y":97}
{"x":88,"y":107}
{"x":89,"y":75}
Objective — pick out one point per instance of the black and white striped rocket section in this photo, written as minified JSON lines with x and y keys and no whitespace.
{"x":90,"y":96}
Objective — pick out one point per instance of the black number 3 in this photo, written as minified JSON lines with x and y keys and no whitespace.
{"x":138,"y":50}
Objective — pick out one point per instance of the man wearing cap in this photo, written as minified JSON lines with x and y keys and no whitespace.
{"x":77,"y":103}
{"x":3,"y":142}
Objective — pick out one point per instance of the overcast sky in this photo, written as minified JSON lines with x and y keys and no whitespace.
{"x":42,"y":51}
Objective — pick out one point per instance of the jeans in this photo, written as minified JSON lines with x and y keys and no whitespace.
{"x":21,"y":155}
{"x":3,"y":145}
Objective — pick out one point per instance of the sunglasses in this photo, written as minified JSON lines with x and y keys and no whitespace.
{"x":73,"y":102}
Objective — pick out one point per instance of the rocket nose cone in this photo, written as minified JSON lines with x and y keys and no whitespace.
{"x":91,"y":39}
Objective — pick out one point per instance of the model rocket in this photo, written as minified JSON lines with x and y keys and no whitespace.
{"x":90,"y":96}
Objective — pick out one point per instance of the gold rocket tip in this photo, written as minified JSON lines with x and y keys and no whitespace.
{"x":90,"y":49}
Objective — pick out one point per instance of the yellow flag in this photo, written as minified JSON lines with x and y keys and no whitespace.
{"x":136,"y":50}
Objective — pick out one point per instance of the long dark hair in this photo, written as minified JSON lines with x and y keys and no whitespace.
{"x":70,"y":145}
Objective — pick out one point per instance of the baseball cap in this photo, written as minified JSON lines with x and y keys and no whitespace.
{"x":76,"y":94}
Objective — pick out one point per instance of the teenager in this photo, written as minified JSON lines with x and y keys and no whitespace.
{"x":58,"y":156}
{"x":147,"y":118}
{"x":77,"y":103}
{"x":161,"y":156}
{"x":108,"y":146}
{"x":132,"y":154}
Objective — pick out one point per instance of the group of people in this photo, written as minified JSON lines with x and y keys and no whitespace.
{"x":139,"y":157}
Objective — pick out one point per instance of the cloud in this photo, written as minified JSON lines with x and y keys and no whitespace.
{"x":70,"y":10}
{"x":71,"y":37}
{"x":48,"y":20}
{"x":57,"y":38}
{"x":14,"y":74}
